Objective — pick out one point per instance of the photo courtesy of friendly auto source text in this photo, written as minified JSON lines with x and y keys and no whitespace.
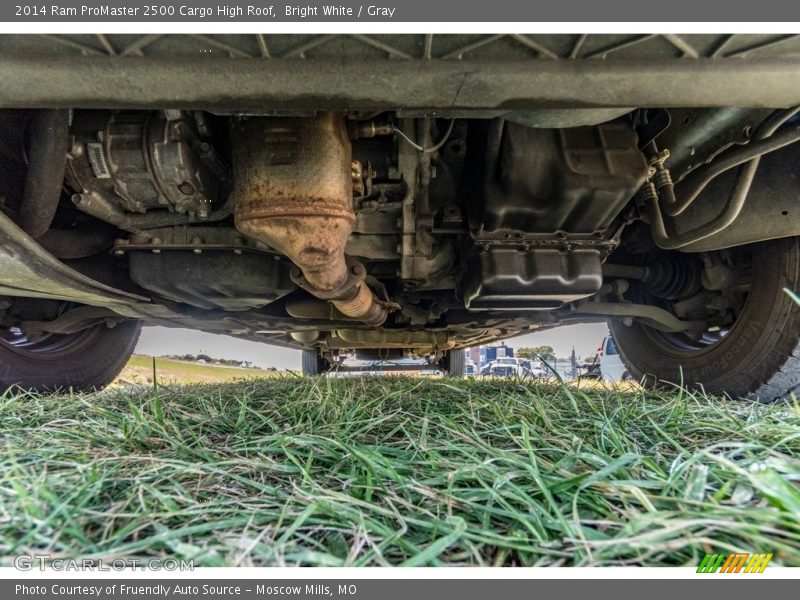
{"x":485,"y":291}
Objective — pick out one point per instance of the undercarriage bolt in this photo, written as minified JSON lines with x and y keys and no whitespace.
{"x":186,"y":188}
{"x":203,"y":208}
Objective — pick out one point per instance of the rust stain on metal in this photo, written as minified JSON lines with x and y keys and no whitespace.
{"x":294,"y":191}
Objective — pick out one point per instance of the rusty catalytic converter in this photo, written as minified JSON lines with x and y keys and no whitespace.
{"x":293,"y":190}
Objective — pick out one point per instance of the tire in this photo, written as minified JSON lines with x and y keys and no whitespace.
{"x":84,"y":361}
{"x":454,"y":363}
{"x":314,"y":363}
{"x":758,"y":359}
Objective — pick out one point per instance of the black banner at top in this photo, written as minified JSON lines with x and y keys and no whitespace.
{"x":398,"y":11}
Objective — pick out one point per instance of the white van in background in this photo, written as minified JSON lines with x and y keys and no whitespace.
{"x":611,"y":366}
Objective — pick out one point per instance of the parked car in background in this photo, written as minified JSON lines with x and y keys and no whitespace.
{"x":499,"y":368}
{"x":536,"y":368}
{"x":591,"y":370}
{"x":611,"y":366}
{"x":606,"y":364}
{"x":507,"y":367}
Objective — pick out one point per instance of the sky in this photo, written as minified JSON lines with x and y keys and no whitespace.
{"x":160,"y":341}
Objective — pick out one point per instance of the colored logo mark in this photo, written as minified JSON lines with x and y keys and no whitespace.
{"x":734,"y":563}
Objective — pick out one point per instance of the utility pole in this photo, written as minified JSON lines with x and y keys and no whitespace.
{"x":574,"y":363}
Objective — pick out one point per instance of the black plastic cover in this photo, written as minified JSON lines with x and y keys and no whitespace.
{"x":575,"y":180}
{"x":215,"y":279}
{"x":508,"y":278}
{"x":542,"y":204}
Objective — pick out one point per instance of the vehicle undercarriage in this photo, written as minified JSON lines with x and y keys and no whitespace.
{"x":402,"y":196}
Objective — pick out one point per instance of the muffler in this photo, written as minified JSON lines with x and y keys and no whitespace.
{"x":293,"y":190}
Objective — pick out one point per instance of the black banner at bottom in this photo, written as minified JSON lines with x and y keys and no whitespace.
{"x":729,"y":587}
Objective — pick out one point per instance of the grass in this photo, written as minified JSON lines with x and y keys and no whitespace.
{"x":398,"y":471}
{"x":139,"y":371}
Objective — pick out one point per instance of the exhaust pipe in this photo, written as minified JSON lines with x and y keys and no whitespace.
{"x":47,"y":162}
{"x":293,"y":190}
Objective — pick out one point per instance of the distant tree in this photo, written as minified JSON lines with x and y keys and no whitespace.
{"x":229,"y":362}
{"x":526,"y":352}
{"x":545,"y":352}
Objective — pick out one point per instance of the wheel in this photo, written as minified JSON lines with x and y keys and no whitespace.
{"x":757,"y":356}
{"x":87,"y":360}
{"x":454,"y":363}
{"x":314,"y":363}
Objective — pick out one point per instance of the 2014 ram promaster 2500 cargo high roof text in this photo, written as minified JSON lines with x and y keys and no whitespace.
{"x":402,"y":196}
{"x":55,"y":10}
